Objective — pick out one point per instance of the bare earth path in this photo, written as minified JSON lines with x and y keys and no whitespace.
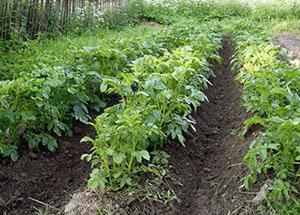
{"x":291,"y":43}
{"x":210,"y":166}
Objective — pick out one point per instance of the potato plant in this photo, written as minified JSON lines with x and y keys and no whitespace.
{"x":38,"y":106}
{"x":42,"y":104}
{"x":160,"y":78}
{"x":272,"y":93}
{"x":158,"y":94}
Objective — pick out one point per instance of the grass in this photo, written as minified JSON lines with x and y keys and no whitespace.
{"x":36,"y":54}
{"x":277,"y":27}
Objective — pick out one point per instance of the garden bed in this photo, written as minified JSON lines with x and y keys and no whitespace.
{"x":210,"y":168}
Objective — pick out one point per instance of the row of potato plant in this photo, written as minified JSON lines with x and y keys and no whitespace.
{"x":158,"y":94}
{"x":38,"y":106}
{"x":117,"y":58}
{"x":45,"y":101}
{"x":272,"y":93}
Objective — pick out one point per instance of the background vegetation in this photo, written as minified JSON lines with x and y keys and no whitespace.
{"x":80,"y":57}
{"x":32,"y":17}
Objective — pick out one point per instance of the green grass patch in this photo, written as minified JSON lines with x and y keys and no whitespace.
{"x":38,"y":54}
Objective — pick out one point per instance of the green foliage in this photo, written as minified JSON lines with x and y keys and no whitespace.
{"x":272,"y":91}
{"x":278,"y":11}
{"x":23,"y":58}
{"x":42,"y":103}
{"x":48,"y":18}
{"x":45,"y":101}
{"x":158,"y":92}
{"x":127,"y":15}
{"x":47,"y":83}
{"x":168,"y":11}
{"x":276,"y":27}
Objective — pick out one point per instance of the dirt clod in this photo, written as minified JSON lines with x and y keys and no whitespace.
{"x":261,"y":195}
{"x":32,"y":155}
{"x":82,"y":203}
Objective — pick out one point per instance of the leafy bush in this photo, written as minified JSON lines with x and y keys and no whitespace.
{"x":23,"y":58}
{"x":127,"y":15}
{"x":158,"y":93}
{"x":42,"y":102}
{"x":167,"y":11}
{"x":160,"y":80}
{"x":38,"y":105}
{"x":278,"y":11}
{"x":272,"y":92}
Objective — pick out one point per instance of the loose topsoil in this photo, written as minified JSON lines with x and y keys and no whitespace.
{"x":44,"y":176}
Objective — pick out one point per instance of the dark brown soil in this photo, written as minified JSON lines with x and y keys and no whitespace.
{"x":44,"y":176}
{"x":210,"y":167}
